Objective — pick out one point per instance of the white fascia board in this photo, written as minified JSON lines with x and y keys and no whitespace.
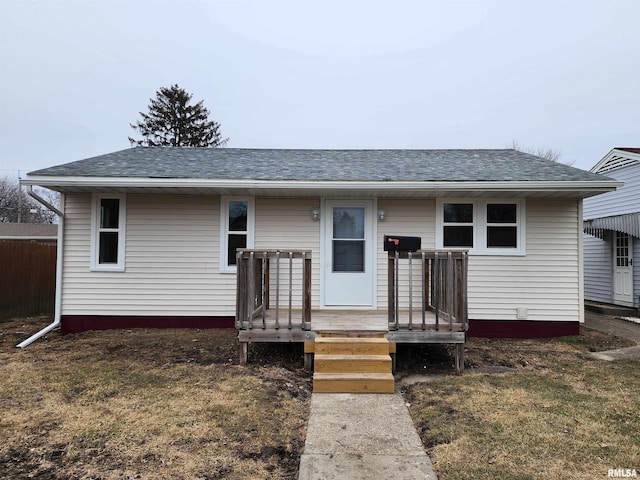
{"x":242,"y":184}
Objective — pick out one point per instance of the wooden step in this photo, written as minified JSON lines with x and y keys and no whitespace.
{"x":352,"y":363}
{"x":353,"y":383}
{"x":352,"y":334}
{"x":351,"y":346}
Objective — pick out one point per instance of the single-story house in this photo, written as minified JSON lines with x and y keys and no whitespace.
{"x":612,"y":233}
{"x":149,"y":235}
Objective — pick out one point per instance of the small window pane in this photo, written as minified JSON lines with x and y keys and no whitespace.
{"x":502,"y":237}
{"x":109,"y":210}
{"x":108,"y":250}
{"x":458,"y":236}
{"x":501,"y":213}
{"x":235,"y":241}
{"x":348,"y":256}
{"x":458,"y":212}
{"x":348,"y":222}
{"x":238,"y":216}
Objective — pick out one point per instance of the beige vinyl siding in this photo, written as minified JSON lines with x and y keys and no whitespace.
{"x":414,"y":217}
{"x":545,"y":281}
{"x":285,"y":223}
{"x":171,"y":266}
{"x":172,"y":257}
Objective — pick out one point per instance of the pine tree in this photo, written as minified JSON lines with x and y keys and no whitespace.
{"x":173,"y":121}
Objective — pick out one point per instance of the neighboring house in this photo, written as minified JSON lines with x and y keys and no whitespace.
{"x":612,"y":233}
{"x":38,"y":232}
{"x":149,"y":233}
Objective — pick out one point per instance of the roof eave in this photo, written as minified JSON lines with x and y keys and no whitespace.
{"x":100,"y":183}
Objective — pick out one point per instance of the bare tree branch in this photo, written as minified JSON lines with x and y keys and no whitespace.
{"x":548,"y":153}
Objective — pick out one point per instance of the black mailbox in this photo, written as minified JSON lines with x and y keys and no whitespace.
{"x":399,"y":243}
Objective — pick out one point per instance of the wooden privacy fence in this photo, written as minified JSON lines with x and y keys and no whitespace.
{"x":430,"y":288}
{"x":270,"y":285}
{"x":27,"y":278}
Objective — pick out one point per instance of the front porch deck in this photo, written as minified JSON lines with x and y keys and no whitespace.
{"x":427,"y":302}
{"x":267,"y":329}
{"x":351,"y":323}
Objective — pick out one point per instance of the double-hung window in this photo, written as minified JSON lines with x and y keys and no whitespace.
{"x":502,"y":225}
{"x":458,"y":225}
{"x":236,"y":229}
{"x":485,"y":227}
{"x":108,"y":218}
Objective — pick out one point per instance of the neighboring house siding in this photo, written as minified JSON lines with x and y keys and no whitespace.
{"x":624,"y":200}
{"x":598,"y":269}
{"x":598,"y":254}
{"x":545,"y":281}
{"x":636,"y":272}
{"x":172,"y":267}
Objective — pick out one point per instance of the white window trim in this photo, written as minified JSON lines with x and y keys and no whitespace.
{"x":224,"y":218}
{"x":480,"y":225}
{"x":95,"y":237}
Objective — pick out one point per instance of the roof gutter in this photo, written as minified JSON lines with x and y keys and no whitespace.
{"x":378,"y":185}
{"x":58,"y":301}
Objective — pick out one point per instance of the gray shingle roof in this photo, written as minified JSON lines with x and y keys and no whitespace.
{"x":321,"y":165}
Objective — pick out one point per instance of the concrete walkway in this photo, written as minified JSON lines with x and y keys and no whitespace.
{"x":614,"y":326}
{"x":362,"y":437}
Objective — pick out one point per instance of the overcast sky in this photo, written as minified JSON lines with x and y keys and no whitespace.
{"x":331,"y":74}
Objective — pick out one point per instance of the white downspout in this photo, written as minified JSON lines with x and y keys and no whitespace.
{"x":58,"y":300}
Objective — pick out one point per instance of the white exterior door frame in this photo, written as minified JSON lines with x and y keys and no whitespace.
{"x":622,"y":269}
{"x":348,"y":289}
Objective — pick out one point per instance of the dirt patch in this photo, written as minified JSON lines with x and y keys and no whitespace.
{"x":503,"y":355}
{"x":148,"y":403}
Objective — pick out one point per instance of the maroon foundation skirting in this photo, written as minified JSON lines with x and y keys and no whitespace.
{"x":521,"y":329}
{"x":82,"y":323}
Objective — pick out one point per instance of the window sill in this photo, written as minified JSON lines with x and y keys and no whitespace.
{"x":497,"y":253}
{"x":488,"y":253}
{"x":107,"y":269}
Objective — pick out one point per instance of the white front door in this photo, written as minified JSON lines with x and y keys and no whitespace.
{"x":623,"y":269}
{"x":349,"y":249}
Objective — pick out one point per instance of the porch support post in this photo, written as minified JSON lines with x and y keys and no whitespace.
{"x":459,"y":358}
{"x":244,"y":353}
{"x":391,"y":304}
{"x":306,"y":300}
{"x":309,"y":355}
{"x":308,"y":361}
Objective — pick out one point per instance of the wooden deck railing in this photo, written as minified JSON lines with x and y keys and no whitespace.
{"x":267,"y":283}
{"x":434,"y":284}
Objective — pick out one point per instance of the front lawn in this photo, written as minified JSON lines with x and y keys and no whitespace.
{"x":148,"y":404}
{"x":555,"y":414}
